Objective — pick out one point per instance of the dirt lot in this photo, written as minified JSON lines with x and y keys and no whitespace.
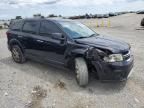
{"x":35,"y":85}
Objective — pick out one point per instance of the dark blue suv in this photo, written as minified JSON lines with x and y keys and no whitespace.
{"x":72,"y":44}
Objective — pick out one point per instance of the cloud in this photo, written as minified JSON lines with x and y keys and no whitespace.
{"x":61,"y":2}
{"x":12,"y":8}
{"x":51,"y":2}
{"x":12,"y":2}
{"x":64,"y":2}
{"x":134,"y":0}
{"x":28,"y":2}
{"x":88,"y":2}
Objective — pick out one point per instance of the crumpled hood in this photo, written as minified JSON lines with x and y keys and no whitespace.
{"x":104,"y":42}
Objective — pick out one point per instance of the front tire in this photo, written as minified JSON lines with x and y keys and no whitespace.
{"x":17,"y":54}
{"x":81,"y":71}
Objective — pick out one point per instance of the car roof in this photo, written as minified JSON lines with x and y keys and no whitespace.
{"x":48,"y":19}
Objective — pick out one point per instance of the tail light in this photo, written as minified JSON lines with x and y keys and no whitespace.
{"x":8,"y":34}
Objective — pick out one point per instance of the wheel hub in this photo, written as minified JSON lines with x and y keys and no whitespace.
{"x":15,"y":54}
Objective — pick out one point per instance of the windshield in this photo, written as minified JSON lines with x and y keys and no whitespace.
{"x":76,"y":29}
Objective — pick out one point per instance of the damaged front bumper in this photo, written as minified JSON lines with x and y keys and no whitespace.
{"x":114,"y":71}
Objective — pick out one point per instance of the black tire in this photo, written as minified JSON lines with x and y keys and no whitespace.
{"x":81,"y":71}
{"x":17,"y":54}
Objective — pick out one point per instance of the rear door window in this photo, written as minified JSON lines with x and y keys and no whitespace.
{"x":48,"y":27}
{"x":31,"y":27}
{"x":16,"y":25}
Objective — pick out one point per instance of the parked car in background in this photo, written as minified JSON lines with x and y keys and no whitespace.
{"x":142,"y":22}
{"x":106,"y":15}
{"x":112,"y":14}
{"x":100,"y":16}
{"x":140,"y":12}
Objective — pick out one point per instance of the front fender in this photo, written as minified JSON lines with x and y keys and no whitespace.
{"x":72,"y":54}
{"x":79,"y":52}
{"x":89,"y":53}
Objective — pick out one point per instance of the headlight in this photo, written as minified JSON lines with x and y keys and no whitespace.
{"x":114,"y":58}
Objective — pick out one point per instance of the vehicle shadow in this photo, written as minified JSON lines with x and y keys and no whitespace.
{"x":53,"y":74}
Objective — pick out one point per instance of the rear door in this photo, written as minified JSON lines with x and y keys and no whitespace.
{"x":28,"y":37}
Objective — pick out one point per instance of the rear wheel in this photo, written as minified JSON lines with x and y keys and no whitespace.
{"x":81,"y":71}
{"x":17,"y":54}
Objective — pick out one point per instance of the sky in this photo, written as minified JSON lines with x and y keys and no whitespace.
{"x":26,"y":8}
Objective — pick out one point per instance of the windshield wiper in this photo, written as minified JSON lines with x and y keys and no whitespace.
{"x":92,"y":35}
{"x":80,"y":37}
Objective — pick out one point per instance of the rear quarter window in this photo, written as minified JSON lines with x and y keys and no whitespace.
{"x":16,"y":25}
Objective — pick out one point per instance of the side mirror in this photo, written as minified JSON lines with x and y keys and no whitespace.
{"x":58,"y":36}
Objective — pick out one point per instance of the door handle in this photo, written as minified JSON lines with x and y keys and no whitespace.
{"x":40,"y":41}
{"x":20,"y":36}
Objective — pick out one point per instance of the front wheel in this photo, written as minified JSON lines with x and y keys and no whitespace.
{"x":81,"y":71}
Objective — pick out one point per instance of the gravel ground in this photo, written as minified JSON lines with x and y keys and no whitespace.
{"x":35,"y":85}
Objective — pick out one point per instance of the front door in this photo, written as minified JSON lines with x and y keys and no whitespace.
{"x":50,"y":48}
